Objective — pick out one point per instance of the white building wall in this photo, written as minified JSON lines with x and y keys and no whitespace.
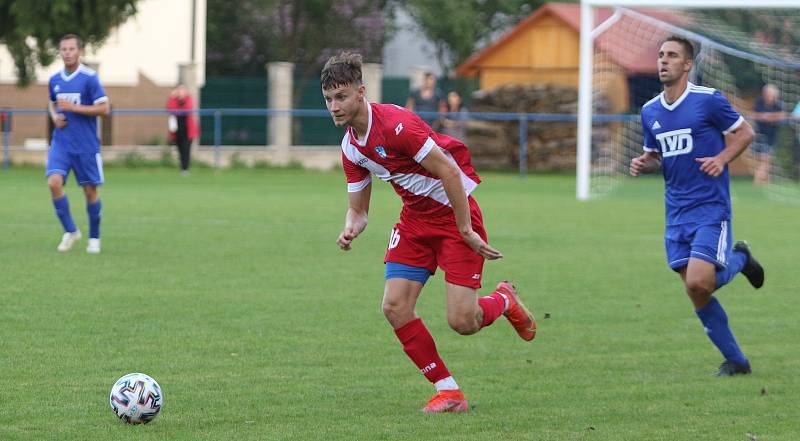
{"x":409,"y":52}
{"x":154,"y":43}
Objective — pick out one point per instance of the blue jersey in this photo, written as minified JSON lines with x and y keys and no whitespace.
{"x":694,"y":126}
{"x":79,"y":87}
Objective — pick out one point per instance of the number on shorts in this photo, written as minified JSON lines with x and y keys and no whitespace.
{"x":394,"y":238}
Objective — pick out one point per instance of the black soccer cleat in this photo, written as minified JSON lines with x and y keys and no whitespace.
{"x":729,"y":368}
{"x":752,"y":269}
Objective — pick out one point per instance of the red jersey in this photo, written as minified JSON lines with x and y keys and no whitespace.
{"x":396,"y":142}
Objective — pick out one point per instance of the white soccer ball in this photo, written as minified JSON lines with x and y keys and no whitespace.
{"x":136,"y":398}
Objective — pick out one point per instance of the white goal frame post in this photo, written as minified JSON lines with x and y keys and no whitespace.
{"x":587,"y":33}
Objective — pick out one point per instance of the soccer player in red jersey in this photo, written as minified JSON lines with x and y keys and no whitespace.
{"x":440,"y":223}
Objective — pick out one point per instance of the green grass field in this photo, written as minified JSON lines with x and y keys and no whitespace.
{"x":228,"y":289}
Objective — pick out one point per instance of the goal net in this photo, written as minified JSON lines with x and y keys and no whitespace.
{"x":738,"y":51}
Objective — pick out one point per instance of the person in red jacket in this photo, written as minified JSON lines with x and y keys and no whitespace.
{"x":183,"y":127}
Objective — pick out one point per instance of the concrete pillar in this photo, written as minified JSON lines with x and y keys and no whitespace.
{"x":187,"y":75}
{"x":104,"y":121}
{"x":372,"y":75}
{"x":280,"y":76}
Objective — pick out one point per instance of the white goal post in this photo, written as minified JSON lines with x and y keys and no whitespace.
{"x":588,"y":31}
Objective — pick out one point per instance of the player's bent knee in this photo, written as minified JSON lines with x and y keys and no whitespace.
{"x":699,"y":288}
{"x":396,"y":311}
{"x":55,"y":181}
{"x":464,"y":325}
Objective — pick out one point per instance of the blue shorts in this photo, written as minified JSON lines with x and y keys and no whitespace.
{"x":762,"y":148}
{"x":88,"y":167}
{"x":709,"y":242}
{"x":408,"y":272}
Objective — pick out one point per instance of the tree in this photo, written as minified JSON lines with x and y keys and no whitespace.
{"x":771,"y":33}
{"x":304,"y":32}
{"x":31,"y":29}
{"x":468,"y":26}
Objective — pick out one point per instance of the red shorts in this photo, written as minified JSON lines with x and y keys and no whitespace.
{"x":432,"y":242}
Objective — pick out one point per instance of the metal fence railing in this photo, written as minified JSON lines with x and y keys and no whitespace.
{"x":217,"y":115}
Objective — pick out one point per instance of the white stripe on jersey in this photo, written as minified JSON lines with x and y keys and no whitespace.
{"x":734,"y":126}
{"x":353,"y":187}
{"x":426,"y":148}
{"x":700,"y":89}
{"x":357,"y":158}
{"x":414,"y":183}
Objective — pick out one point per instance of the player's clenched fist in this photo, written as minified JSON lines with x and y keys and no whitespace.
{"x":346,"y":238}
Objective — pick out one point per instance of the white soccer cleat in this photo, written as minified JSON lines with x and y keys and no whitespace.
{"x":94,"y":246}
{"x":68,"y":240}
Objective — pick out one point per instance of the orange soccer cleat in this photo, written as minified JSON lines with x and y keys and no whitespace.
{"x":447,"y":401}
{"x":521,"y":319}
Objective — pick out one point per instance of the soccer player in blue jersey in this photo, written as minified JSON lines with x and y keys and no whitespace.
{"x":692,"y":133}
{"x":76,"y":99}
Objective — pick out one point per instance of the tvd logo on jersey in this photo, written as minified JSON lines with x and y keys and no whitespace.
{"x":675,"y":142}
{"x":74,"y":98}
{"x":381,"y":152}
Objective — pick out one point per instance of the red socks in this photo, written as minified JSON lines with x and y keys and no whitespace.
{"x":421,"y":349}
{"x":418,"y":343}
{"x":492,"y":306}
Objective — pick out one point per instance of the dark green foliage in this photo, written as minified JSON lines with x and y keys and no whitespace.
{"x":752,"y":29}
{"x":31,"y":29}
{"x":242,"y":39}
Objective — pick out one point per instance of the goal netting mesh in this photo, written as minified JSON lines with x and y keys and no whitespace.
{"x":738,"y":52}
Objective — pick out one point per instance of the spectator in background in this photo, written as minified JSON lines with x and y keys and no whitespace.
{"x":426,"y":99}
{"x":767,"y":114}
{"x":454,"y":123}
{"x":796,"y":147}
{"x":183,"y":127}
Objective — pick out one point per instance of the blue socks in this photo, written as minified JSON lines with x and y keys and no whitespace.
{"x":715,"y":322}
{"x":95,"y":213}
{"x":735,"y":264}
{"x":94,"y":210}
{"x":62,"y":211}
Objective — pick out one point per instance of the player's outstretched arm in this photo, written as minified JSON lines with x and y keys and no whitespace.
{"x":648,"y":162}
{"x":439,"y":165}
{"x":736,"y":142}
{"x":356,"y":218}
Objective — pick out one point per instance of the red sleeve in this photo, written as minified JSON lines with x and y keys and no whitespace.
{"x":409,"y":134}
{"x":357,"y":177}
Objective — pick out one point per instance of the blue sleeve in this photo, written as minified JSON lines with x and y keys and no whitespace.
{"x":649,"y":143}
{"x":96,"y":91}
{"x":721,"y":113}
{"x":50,"y":89}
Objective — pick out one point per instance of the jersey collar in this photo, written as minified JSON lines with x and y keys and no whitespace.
{"x":678,"y":101}
{"x":66,"y":77}
{"x":363,"y":142}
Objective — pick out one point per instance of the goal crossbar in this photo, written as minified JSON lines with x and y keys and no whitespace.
{"x":588,"y":31}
